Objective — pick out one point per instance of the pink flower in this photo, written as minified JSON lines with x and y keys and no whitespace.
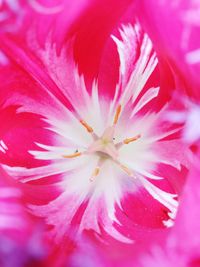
{"x":21,"y":241}
{"x":84,"y":128}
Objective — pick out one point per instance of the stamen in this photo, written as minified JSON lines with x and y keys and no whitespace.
{"x":95,"y":174}
{"x":127,"y":141}
{"x":132,"y":139}
{"x":97,"y":169}
{"x":126,"y":169}
{"x":88,"y":128}
{"x":74,"y":155}
{"x":117,"y":113}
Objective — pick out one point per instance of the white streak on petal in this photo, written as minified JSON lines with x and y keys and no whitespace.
{"x":172,"y":152}
{"x":3,"y":145}
{"x":71,"y":130}
{"x":150,"y":175}
{"x":59,"y":213}
{"x":169,"y":223}
{"x":146,"y":98}
{"x":144,"y":66}
{"x":90,"y":218}
{"x":64,"y":73}
{"x":25,"y":175}
{"x":165,"y":198}
{"x":46,"y":155}
{"x":109,"y":228}
{"x":52,"y":152}
{"x":53,"y":148}
{"x":165,"y":134}
{"x":143,"y":74}
{"x":2,"y":149}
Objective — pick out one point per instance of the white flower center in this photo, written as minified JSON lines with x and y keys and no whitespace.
{"x":104,"y":146}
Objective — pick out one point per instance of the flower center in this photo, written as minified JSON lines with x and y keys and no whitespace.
{"x":104,"y":146}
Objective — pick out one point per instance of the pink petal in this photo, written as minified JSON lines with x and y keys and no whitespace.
{"x":176,"y":36}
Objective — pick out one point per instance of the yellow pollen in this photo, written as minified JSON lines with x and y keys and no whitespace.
{"x":88,"y":128}
{"x":117,"y":113}
{"x":74,"y":155}
{"x":132,"y":139}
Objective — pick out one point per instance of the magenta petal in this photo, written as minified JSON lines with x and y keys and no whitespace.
{"x":176,"y":36}
{"x":187,"y":217}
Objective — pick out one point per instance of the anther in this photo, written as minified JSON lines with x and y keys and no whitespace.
{"x":132,"y":139}
{"x":94,"y":174}
{"x":117,"y":113}
{"x":74,"y":155}
{"x":88,"y":128}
